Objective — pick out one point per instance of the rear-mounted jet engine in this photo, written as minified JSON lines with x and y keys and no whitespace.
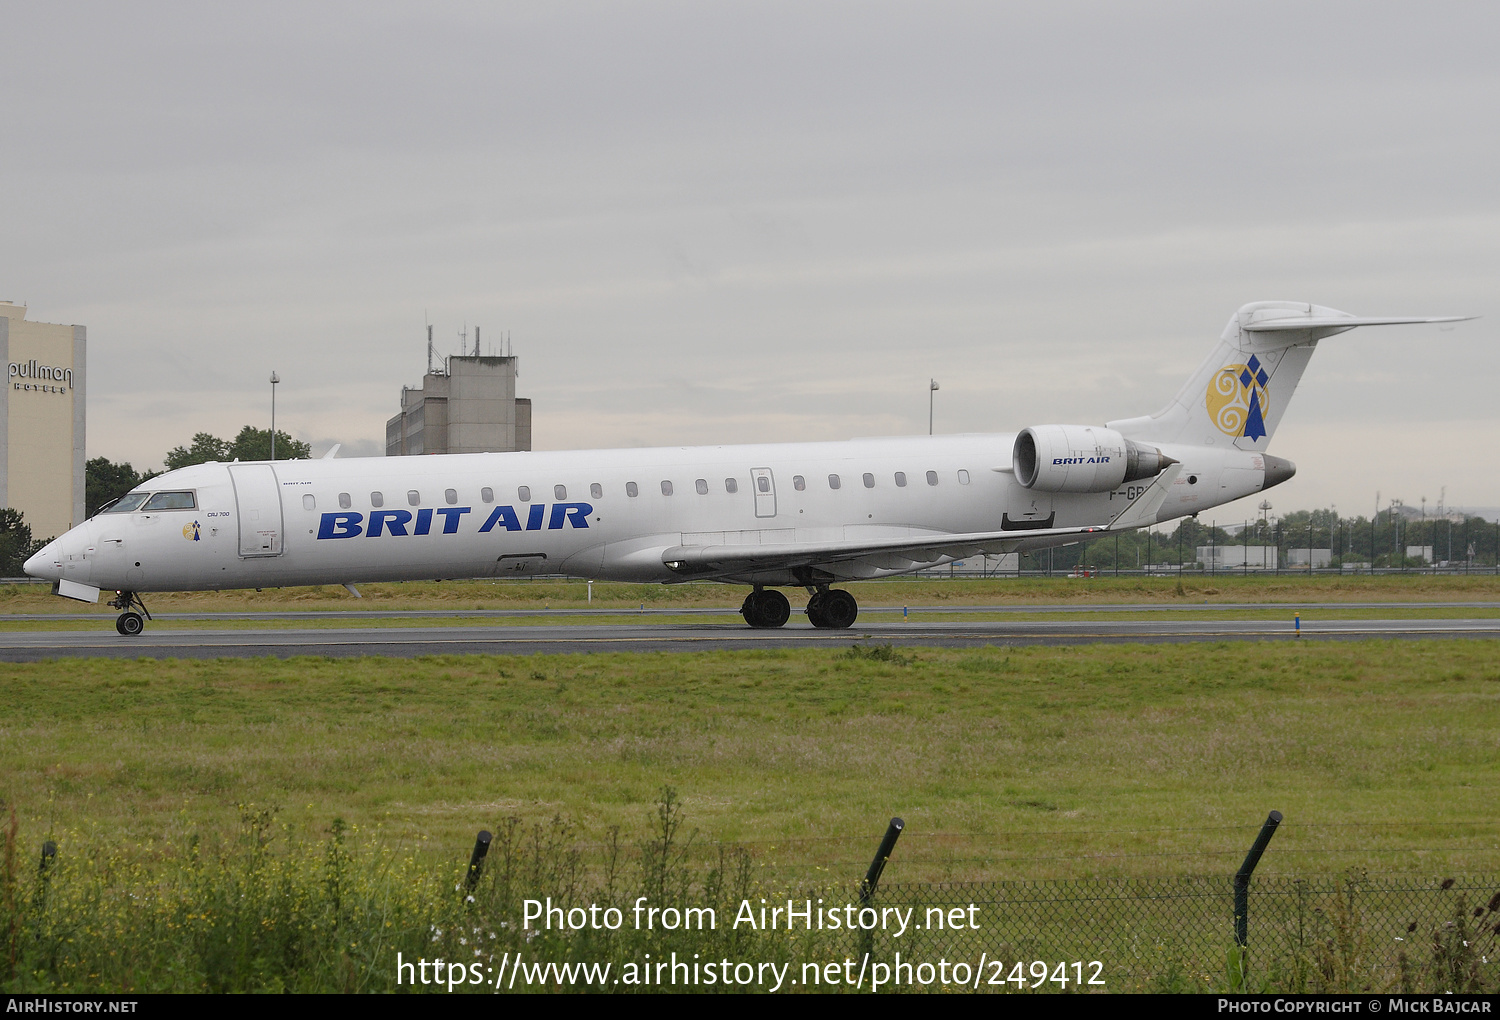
{"x":1082,"y":458}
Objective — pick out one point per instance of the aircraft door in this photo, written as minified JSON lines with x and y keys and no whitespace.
{"x":257,"y":498}
{"x":765,"y":492}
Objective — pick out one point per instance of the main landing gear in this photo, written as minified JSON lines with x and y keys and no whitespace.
{"x":829,"y":608}
{"x":130,"y":623}
{"x":832,"y":609}
{"x":766,"y":610}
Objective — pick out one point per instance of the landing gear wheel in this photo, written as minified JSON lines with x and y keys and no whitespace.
{"x":130,"y":622}
{"x":837,"y":610}
{"x":815,"y":609}
{"x":766,"y":610}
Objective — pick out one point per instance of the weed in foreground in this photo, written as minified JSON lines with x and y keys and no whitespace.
{"x":877,"y":653}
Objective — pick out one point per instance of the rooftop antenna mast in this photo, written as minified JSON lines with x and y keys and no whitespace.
{"x":429,"y":348}
{"x":476,"y":341}
{"x":463,"y":341}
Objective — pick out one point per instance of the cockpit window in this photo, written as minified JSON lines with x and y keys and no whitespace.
{"x":128,"y":502}
{"x":171,"y":501}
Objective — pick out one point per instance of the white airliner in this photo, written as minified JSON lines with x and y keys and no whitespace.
{"x":806,"y":515}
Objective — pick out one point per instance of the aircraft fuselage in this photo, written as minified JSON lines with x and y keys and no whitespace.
{"x":598,"y":514}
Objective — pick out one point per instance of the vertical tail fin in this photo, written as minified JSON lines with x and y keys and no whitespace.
{"x":1238,"y":395}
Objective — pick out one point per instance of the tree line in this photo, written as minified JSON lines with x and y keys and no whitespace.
{"x":1381,"y":542}
{"x":105,"y":481}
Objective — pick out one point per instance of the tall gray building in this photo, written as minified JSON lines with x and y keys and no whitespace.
{"x":42,"y":421}
{"x":469,"y":406}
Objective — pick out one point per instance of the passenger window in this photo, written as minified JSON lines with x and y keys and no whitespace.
{"x":344,"y":501}
{"x":413,"y":497}
{"x":376,"y":499}
{"x":596,"y":491}
{"x":559,"y":492}
{"x":666,"y":488}
{"x":525,"y":493}
{"x":833,"y":481}
{"x":869,"y":480}
{"x":932,"y":478}
{"x":451,"y":495}
{"x":799,"y":483}
{"x":731,"y":485}
{"x":170,"y":501}
{"x":632,"y":490}
{"x":963,"y":477}
{"x":763,"y":483}
{"x":702,"y":486}
{"x":308,"y":502}
{"x":900,"y":479}
{"x":487,"y":494}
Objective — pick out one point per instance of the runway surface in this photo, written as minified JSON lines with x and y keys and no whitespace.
{"x":161,"y":641}
{"x":644,"y":610}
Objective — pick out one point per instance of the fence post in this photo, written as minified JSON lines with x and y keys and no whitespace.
{"x":872,"y":878}
{"x":476,"y":859}
{"x":887,"y":844}
{"x":1242,"y":878}
{"x":44,"y":874}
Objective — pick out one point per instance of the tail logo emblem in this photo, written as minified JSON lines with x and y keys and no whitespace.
{"x":1238,"y":400}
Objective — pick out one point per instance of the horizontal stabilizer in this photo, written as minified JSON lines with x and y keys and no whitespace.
{"x":1346,"y":322}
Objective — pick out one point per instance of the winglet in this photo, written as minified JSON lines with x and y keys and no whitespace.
{"x":333,"y":451}
{"x":1143,"y":511}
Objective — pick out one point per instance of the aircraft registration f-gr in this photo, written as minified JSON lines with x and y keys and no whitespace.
{"x":806,"y":515}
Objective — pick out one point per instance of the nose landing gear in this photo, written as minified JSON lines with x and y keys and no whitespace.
{"x":129,"y":622}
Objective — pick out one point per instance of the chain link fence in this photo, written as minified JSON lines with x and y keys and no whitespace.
{"x":1352,"y":932}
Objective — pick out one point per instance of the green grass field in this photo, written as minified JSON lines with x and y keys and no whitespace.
{"x":267,"y":825}
{"x":1034,"y":762}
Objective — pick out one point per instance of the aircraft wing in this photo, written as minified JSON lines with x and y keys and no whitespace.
{"x":853,"y":558}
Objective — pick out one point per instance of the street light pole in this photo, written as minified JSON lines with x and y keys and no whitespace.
{"x":274,"y":380}
{"x":1265,"y":523}
{"x":932,"y":387}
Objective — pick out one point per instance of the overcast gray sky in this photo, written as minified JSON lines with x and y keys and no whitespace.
{"x":706,"y":223}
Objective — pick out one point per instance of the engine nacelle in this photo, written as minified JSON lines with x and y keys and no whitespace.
{"x":1081,"y":458}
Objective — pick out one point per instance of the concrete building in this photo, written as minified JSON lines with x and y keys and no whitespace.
{"x":468,"y":406}
{"x":1237,"y":557}
{"x":1299,"y":557}
{"x":42,"y":421}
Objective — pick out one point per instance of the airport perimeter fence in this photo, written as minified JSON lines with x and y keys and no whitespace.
{"x":1339,"y":933}
{"x":275,"y":910}
{"x":1344,"y":933}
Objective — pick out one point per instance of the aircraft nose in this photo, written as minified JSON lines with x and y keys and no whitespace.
{"x":46,"y":564}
